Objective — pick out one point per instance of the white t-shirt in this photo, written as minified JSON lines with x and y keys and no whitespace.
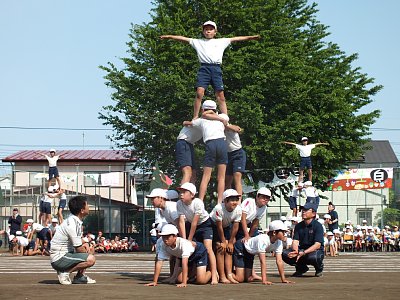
{"x":47,"y":199}
{"x":252,"y":211}
{"x":190,"y":134}
{"x":211,"y":129}
{"x":311,"y":191}
{"x":195,"y":208}
{"x":170,"y":212}
{"x":305,"y":150}
{"x":219,"y":213}
{"x":36,"y":227}
{"x":158,"y":218}
{"x":261,"y":244}
{"x":153,"y":232}
{"x":52,"y":160}
{"x":233,"y":140}
{"x":22,"y":241}
{"x":210,"y":51}
{"x":295,"y":192}
{"x":68,"y":236}
{"x":183,"y":248}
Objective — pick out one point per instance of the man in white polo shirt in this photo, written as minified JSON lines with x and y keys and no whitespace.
{"x":68,"y":252}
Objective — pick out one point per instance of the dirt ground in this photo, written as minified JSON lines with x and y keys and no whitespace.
{"x":125,"y":285}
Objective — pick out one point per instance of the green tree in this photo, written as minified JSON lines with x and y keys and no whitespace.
{"x":391,"y":217}
{"x":292,"y":82}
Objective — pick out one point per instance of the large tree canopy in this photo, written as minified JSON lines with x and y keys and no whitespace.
{"x":290,"y":83}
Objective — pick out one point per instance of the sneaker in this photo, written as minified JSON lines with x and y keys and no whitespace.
{"x":63,"y":277}
{"x":297,"y":274}
{"x":83,"y":280}
{"x":318,"y":274}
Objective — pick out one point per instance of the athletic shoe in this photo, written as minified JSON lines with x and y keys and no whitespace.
{"x":318,"y":274}
{"x":63,"y":277}
{"x":83,"y":280}
{"x":299,"y":273}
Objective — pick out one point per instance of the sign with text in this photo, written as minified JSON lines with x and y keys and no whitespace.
{"x":362,"y":179}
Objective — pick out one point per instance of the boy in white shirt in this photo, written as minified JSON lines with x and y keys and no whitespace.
{"x":167,"y":209}
{"x":209,"y":51}
{"x":305,"y":155}
{"x":226,"y":217}
{"x":294,"y":196}
{"x":216,"y":153}
{"x":190,"y":253}
{"x":260,"y":245}
{"x":199,"y":227}
{"x":53,"y":170}
{"x":311,"y":193}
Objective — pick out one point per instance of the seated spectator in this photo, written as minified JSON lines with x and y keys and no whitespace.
{"x":331,"y":243}
{"x":358,"y":239}
{"x":338,"y":239}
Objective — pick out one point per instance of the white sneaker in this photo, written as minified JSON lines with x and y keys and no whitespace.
{"x":83,"y":280}
{"x":63,"y":277}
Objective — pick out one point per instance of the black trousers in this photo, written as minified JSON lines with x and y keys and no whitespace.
{"x":315,"y":259}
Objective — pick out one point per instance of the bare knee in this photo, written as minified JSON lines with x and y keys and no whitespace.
{"x":91,"y":260}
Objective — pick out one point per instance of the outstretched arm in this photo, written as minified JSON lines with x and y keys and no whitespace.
{"x":245,"y":38}
{"x":179,"y":38}
{"x":317,"y":144}
{"x":289,"y":143}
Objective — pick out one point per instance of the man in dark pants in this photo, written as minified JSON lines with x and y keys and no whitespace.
{"x":15,"y":222}
{"x":333,"y":222}
{"x":308,"y":243}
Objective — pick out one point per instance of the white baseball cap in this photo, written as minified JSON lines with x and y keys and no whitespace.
{"x":329,"y":233}
{"x":160,"y":226}
{"x":210,"y":23}
{"x":283,"y":218}
{"x":336,"y":231}
{"x":54,"y":220}
{"x":327,"y":216}
{"x":308,"y":183}
{"x":230,"y":193}
{"x":168,"y":229}
{"x":188,"y":186}
{"x":50,"y":189}
{"x":29,"y":221}
{"x":304,"y":138}
{"x":300,"y":184}
{"x":277,"y":225}
{"x":52,"y":150}
{"x":209,"y":104}
{"x":19,"y":232}
{"x":172,"y":194}
{"x":11,"y":237}
{"x":157,"y":192}
{"x":264,"y":191}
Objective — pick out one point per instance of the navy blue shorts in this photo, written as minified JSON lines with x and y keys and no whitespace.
{"x":45,"y":207}
{"x":203,"y":231}
{"x":153,"y":239}
{"x":227,"y":232}
{"x":210,"y":74}
{"x":184,"y":154}
{"x":236,"y":162}
{"x":53,"y":172}
{"x":242,"y":258}
{"x":44,"y":234}
{"x":292,"y":202}
{"x":199,"y":256}
{"x":216,"y":153}
{"x":240,"y":233}
{"x":31,"y":245}
{"x":305,"y":162}
{"x":62,"y":204}
{"x":314,"y":200}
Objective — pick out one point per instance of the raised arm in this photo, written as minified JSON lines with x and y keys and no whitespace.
{"x":245,"y":38}
{"x":289,"y":143}
{"x":318,"y":144}
{"x":179,"y":38}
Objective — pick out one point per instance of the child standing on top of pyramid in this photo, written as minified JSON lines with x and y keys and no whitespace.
{"x":210,"y":51}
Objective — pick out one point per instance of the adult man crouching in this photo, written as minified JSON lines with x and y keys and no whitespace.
{"x":68,"y":252}
{"x":308,"y":243}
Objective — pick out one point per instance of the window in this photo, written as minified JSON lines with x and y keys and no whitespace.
{"x":274,"y":216}
{"x":364,"y":214}
{"x":93,"y":178}
{"x":35,"y":178}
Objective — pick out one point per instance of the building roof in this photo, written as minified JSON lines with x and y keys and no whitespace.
{"x":378,"y":153}
{"x":72,"y":155}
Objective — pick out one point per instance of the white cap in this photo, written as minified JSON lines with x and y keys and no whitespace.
{"x":348,"y":227}
{"x":283,"y":218}
{"x":11,"y":237}
{"x":230,"y":193}
{"x":329,"y":233}
{"x":19,"y":232}
{"x":370,"y":228}
{"x":91,"y":236}
{"x":224,"y":116}
{"x":52,"y":150}
{"x":160,"y":226}
{"x":168,"y":229}
{"x":358,"y":227}
{"x":172,"y":194}
{"x":304,"y":138}
{"x":209,"y":104}
{"x":189,"y":187}
{"x":364,"y":221}
{"x":336,"y":231}
{"x":29,"y":221}
{"x":210,"y":23}
{"x":277,"y":225}
{"x":347,"y":222}
{"x":264,"y":191}
{"x":295,"y":219}
{"x":54,"y":220}
{"x":308,"y":183}
{"x":327,"y":216}
{"x":50,"y":189}
{"x":157,"y":192}
{"x":300,"y":184}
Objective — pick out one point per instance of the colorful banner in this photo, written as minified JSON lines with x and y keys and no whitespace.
{"x":362,"y":179}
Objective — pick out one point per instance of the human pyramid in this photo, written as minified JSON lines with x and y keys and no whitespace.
{"x":219,"y":246}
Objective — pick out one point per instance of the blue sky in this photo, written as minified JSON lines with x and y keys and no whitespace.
{"x":50,"y":52}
